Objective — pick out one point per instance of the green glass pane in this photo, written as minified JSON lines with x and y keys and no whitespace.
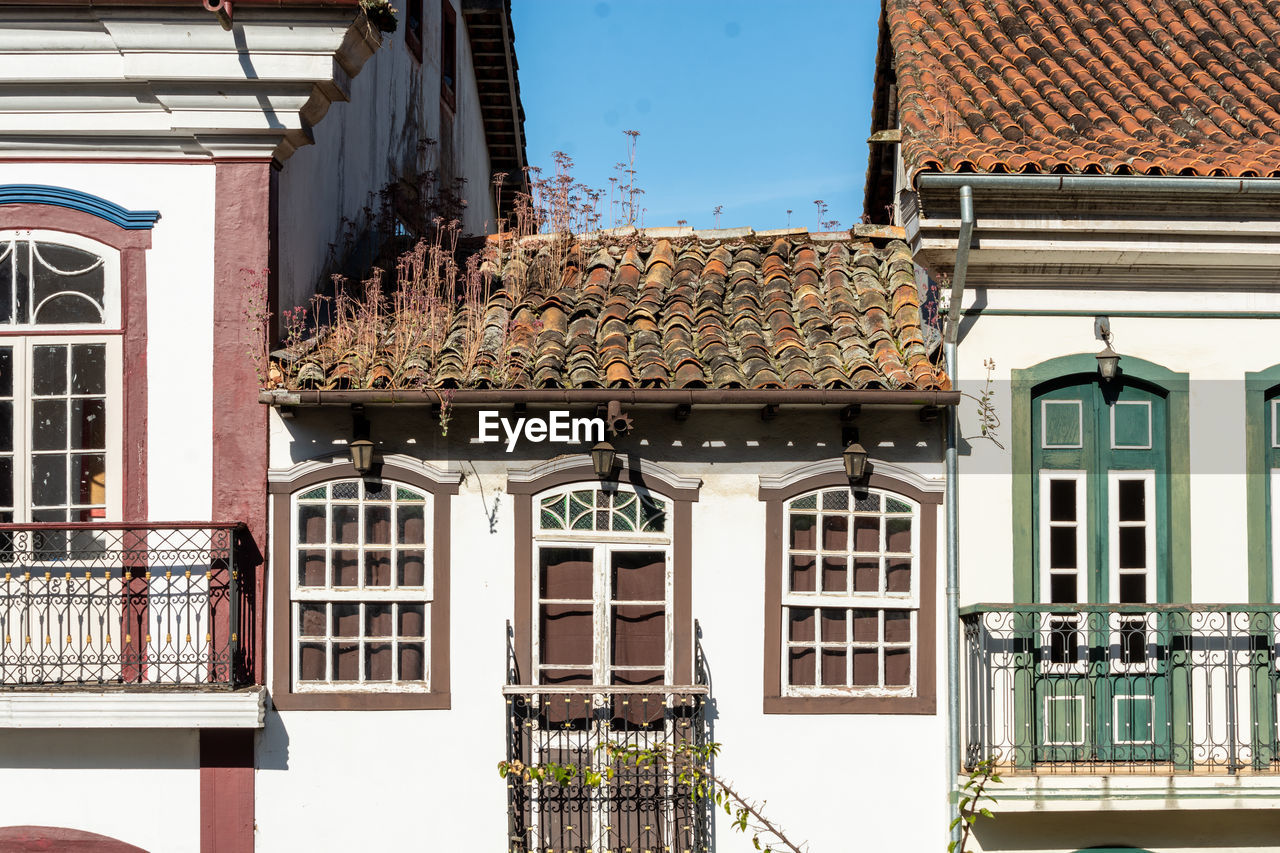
{"x":553,"y":512}
{"x":1061,"y":423}
{"x":806,"y":502}
{"x":1133,"y":719}
{"x":316,"y":494}
{"x":653,"y":516}
{"x":895,"y":505}
{"x":403,"y":494}
{"x":1131,"y":425}
{"x":581,"y":513}
{"x":624,"y":513}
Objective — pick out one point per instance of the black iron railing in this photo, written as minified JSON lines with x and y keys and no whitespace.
{"x":99,"y":604}
{"x":642,"y":807}
{"x":1108,"y":689}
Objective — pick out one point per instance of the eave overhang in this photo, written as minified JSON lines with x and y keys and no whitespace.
{"x":631,"y":396}
{"x":1099,"y":231}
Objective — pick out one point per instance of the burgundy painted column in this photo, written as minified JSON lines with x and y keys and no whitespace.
{"x":242,"y":241}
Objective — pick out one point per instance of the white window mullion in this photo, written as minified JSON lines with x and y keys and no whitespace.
{"x":602,"y":598}
{"x":1072,"y":516}
{"x":1146,"y":522}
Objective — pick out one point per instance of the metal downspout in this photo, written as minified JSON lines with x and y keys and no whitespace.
{"x":954,"y":316}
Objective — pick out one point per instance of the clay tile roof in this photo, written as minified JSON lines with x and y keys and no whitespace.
{"x":754,"y":312}
{"x":1164,"y":87}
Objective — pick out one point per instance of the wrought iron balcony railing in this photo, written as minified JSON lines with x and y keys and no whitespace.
{"x":1111,"y":689}
{"x":139,"y":604}
{"x":640,"y":807}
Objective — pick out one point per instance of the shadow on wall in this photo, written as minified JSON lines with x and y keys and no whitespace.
{"x":29,"y":839}
{"x":273,"y":744}
{"x":705,"y":436}
{"x":88,"y":749}
{"x":1132,"y":831}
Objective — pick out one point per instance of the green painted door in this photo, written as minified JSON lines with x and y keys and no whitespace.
{"x":1100,"y":501}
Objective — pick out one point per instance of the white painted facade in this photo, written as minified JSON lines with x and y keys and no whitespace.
{"x":432,"y":774}
{"x":141,"y":107}
{"x":1186,"y":283}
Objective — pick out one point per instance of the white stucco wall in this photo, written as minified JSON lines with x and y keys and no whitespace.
{"x":141,"y":786}
{"x":431,"y":774}
{"x":375,"y":138}
{"x":179,"y":315}
{"x":1216,"y":353}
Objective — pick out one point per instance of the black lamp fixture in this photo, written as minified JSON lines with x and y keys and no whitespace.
{"x":361,"y":455}
{"x":360,"y":446}
{"x":855,"y":460}
{"x":603,"y":457}
{"x":1108,"y":359}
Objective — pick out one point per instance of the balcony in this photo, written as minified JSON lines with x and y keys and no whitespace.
{"x":94,"y":616}
{"x":640,"y":808}
{"x":1134,"y":703}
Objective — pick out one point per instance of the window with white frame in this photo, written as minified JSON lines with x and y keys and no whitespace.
{"x":361,"y":587}
{"x":60,"y":378}
{"x":851,"y":594}
{"x":603,"y":578}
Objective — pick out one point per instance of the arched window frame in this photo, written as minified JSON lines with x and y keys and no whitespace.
{"x":636,"y":474}
{"x":1176,"y":387}
{"x":284,"y":487}
{"x":603,"y":544}
{"x":69,"y":213}
{"x":925,"y":496}
{"x":22,"y":340}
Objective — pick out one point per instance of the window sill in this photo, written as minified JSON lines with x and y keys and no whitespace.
{"x":849,"y":705}
{"x":361,"y":701}
{"x":150,"y":709}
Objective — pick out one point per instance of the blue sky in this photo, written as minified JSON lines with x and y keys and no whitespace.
{"x":755,"y":105}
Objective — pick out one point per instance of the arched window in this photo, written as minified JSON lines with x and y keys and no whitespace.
{"x":604,"y":586}
{"x":60,"y":398}
{"x":361,"y":593}
{"x":851,"y":593}
{"x":361,"y":586}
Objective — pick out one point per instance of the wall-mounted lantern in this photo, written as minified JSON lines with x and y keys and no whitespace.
{"x":603,"y":457}
{"x":1108,"y":363}
{"x":1108,"y":359}
{"x":361,"y":455}
{"x":855,"y":461}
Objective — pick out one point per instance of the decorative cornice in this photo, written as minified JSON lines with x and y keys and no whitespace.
{"x":117,"y":80}
{"x":133,"y":220}
{"x":574,"y":461}
{"x":913,"y":478}
{"x":398,"y":460}
{"x":213,"y":709}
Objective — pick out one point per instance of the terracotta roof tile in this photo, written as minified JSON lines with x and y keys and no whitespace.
{"x":1088,"y":86}
{"x":791,"y":311}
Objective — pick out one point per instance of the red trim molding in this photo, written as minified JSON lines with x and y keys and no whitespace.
{"x":241,"y":254}
{"x":132,"y":245}
{"x":226,"y":790}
